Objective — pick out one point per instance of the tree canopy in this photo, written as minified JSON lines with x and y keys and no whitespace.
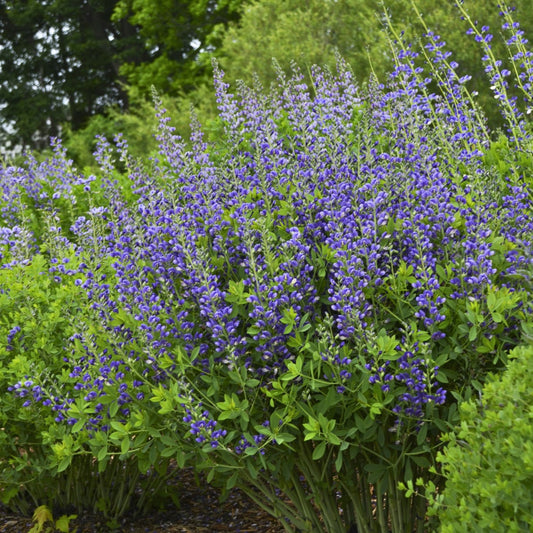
{"x":174,"y":34}
{"x":59,"y":62}
{"x":67,"y":60}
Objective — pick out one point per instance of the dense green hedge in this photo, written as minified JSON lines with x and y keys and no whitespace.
{"x":488,"y":461}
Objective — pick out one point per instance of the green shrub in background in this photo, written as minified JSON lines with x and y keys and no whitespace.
{"x":138,"y":125}
{"x":37,"y":315}
{"x":43,"y":310}
{"x":488,"y":462}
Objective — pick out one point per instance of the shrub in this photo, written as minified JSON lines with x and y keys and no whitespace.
{"x":299,"y":308}
{"x":43,"y":312}
{"x":488,"y":460}
{"x":36,"y":317}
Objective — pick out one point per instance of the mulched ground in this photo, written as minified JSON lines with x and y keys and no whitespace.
{"x":200,"y":512}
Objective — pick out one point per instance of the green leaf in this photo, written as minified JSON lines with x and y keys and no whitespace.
{"x":491,"y":300}
{"x":333,"y":439}
{"x":167,"y":440}
{"x":180,"y":457}
{"x":422,"y":434}
{"x":421,"y":461}
{"x":78,"y":426}
{"x":229,"y":415}
{"x":288,"y":329}
{"x":295,"y":342}
{"x":375,"y":409}
{"x":63,"y":523}
{"x":125,"y":445}
{"x":102,"y":453}
{"x":319,"y":451}
{"x":252,"y":450}
{"x":118,"y":426}
{"x":42,"y":515}
{"x":338,"y":462}
{"x":232,"y":481}
{"x":497,"y":317}
{"x":376,"y":468}
{"x":64,"y":463}
{"x":441,"y":377}
{"x":168,"y":452}
{"x":284,"y":437}
{"x":113,"y":408}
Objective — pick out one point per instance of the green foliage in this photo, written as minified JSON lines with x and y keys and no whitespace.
{"x":507,"y":163}
{"x":488,"y":460}
{"x":59,"y":63}
{"x":307,"y":33}
{"x":46,"y":313}
{"x":136,"y":125}
{"x":42,"y":460}
{"x":139,"y":124}
{"x":45,"y":523}
{"x":174,"y":32}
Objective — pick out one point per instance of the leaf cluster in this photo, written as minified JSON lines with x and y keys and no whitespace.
{"x":488,"y":459}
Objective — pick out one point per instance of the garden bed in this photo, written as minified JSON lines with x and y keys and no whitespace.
{"x":201,"y":512}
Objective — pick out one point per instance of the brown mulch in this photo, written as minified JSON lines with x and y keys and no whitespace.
{"x":200,"y":512}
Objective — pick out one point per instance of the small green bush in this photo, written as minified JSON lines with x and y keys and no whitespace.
{"x":488,"y":462}
{"x":43,"y":461}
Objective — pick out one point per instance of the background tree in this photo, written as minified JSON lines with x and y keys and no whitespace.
{"x":174,"y":33}
{"x":309,"y":32}
{"x":64,"y":61}
{"x":305,"y":32}
{"x":59,"y":62}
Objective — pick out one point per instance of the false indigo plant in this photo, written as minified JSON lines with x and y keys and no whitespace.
{"x":49,"y":336}
{"x":298,"y":307}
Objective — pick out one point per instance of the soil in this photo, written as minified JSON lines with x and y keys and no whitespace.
{"x":200,"y":512}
